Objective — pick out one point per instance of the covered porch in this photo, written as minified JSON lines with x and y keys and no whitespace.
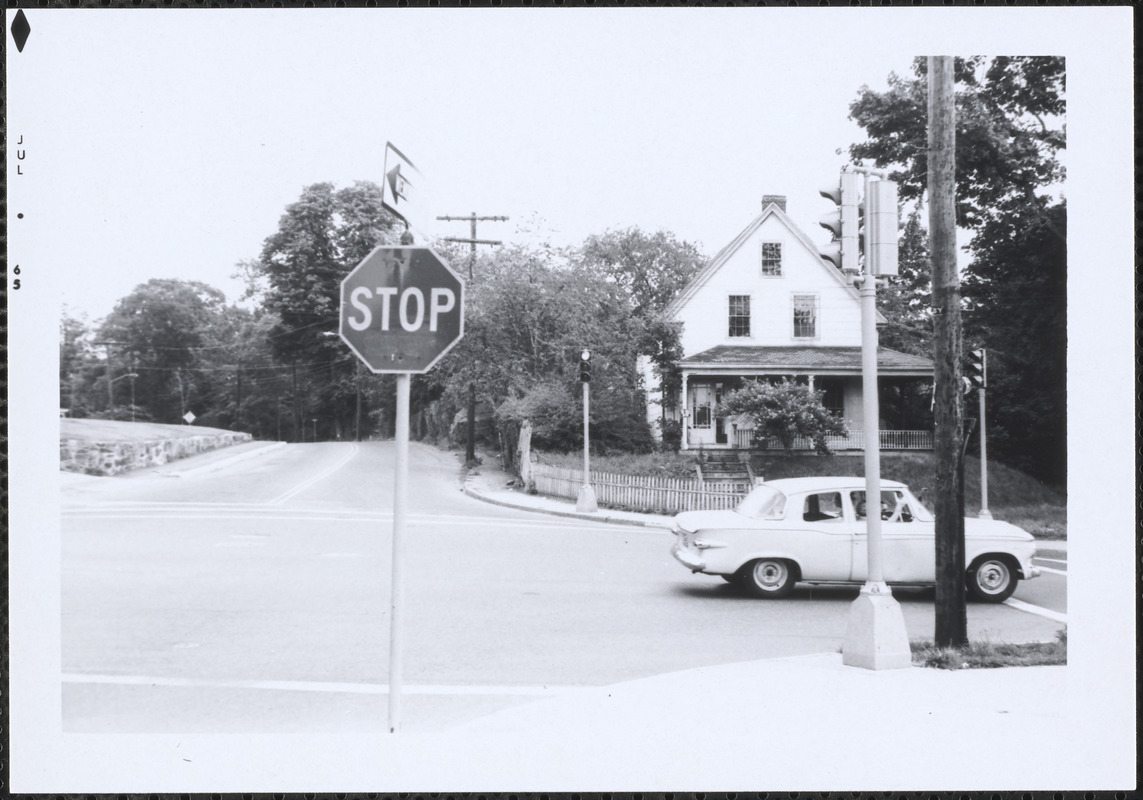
{"x":904,"y":384}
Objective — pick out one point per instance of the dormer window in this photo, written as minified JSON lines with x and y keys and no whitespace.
{"x":772,"y":259}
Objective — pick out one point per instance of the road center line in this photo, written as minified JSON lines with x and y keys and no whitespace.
{"x":301,"y":487}
{"x":318,"y":686}
{"x":1020,"y":605}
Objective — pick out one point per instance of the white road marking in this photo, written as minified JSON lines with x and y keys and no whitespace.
{"x":1053,"y":570}
{"x":321,"y":476}
{"x":1053,"y":560}
{"x":317,"y":686}
{"x":332,"y":515}
{"x":1020,"y":605}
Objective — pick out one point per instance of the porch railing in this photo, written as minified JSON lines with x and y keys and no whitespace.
{"x":854,"y":440}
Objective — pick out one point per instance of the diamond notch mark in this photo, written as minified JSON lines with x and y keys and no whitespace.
{"x":20,"y":30}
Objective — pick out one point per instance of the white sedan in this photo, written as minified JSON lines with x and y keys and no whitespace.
{"x":813,"y":530}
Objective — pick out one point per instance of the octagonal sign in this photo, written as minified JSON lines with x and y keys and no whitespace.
{"x":402,"y":309}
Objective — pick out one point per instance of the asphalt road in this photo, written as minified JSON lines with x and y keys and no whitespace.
{"x":256,"y":598}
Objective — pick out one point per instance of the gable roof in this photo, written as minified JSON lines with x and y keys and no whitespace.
{"x":805,"y":358}
{"x":721,"y":257}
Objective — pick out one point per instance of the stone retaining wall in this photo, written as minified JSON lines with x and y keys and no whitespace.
{"x":113,"y":458}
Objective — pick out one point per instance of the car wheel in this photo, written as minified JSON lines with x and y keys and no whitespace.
{"x":991,"y":579}
{"x":768,"y":577}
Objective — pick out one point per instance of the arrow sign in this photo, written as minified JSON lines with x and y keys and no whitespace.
{"x":399,"y":192}
{"x":398,"y":184}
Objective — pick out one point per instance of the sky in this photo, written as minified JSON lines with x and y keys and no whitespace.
{"x":168,"y":143}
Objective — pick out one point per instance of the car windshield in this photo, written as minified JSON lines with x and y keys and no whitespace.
{"x":765,"y":502}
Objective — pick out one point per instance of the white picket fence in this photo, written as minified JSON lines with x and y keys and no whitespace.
{"x":640,"y":492}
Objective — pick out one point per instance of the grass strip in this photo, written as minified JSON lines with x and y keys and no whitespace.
{"x":989,"y":655}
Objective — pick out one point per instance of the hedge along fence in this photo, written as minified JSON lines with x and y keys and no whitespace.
{"x":113,"y":458}
{"x":640,"y":492}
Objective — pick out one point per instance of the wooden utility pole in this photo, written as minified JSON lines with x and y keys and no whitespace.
{"x":951,"y":617}
{"x":470,"y":425}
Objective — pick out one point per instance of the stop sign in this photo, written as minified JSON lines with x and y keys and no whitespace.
{"x":402,"y":309}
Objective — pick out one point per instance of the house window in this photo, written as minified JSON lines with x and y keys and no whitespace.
{"x":739,"y":315}
{"x":805,"y":316}
{"x":772,"y":258}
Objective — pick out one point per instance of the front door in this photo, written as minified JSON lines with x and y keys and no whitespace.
{"x":907,"y":543}
{"x":719,"y":423}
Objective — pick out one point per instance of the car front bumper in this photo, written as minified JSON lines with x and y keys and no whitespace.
{"x":688,"y":558}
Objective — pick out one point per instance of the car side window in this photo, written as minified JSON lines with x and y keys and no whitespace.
{"x":894,"y":506}
{"x":824,"y":507}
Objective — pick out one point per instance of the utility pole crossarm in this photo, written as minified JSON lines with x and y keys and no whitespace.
{"x":473,"y":241}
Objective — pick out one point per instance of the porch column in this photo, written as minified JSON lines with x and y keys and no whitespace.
{"x":685,"y":418}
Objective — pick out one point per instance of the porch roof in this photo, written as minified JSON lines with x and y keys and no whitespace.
{"x":758,"y":360}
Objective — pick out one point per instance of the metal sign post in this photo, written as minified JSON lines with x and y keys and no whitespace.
{"x":402,"y":309}
{"x":397,"y":586}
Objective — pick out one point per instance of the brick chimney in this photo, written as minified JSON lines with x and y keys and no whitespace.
{"x":777,"y":199}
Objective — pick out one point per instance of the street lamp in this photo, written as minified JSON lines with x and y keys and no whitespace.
{"x":586,"y":499}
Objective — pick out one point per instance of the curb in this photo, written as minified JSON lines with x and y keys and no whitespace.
{"x":226,"y":462}
{"x":473,"y":493}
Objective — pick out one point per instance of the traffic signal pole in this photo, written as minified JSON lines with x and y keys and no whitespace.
{"x":984,"y":512}
{"x":875,"y":636}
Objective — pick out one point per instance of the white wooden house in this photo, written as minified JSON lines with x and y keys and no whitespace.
{"x":768,"y":306}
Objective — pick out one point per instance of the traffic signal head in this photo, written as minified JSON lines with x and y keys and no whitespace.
{"x":881,"y":212}
{"x":844,"y":222}
{"x":977,"y":371}
{"x":585,"y":367}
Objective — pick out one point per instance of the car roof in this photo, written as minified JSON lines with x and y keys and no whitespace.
{"x":821,"y":483}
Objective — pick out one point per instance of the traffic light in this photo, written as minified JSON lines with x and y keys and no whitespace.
{"x":585,"y":367}
{"x":844,"y":222}
{"x":977,"y":371}
{"x":881,"y":222}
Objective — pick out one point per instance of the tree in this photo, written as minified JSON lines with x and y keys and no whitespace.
{"x":1010,"y":132}
{"x":78,"y":365}
{"x":1017,"y":293}
{"x":159,"y":332}
{"x":530,"y":313}
{"x":650,"y":270}
{"x":784,"y":411}
{"x":320,"y":238}
{"x":906,"y":303}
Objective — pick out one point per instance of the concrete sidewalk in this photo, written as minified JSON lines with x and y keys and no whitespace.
{"x":803,"y":722}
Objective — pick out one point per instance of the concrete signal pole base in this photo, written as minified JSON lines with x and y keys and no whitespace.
{"x":586,"y":499}
{"x":876,"y":637}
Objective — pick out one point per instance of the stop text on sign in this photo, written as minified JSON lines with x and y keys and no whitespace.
{"x":410,"y":308}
